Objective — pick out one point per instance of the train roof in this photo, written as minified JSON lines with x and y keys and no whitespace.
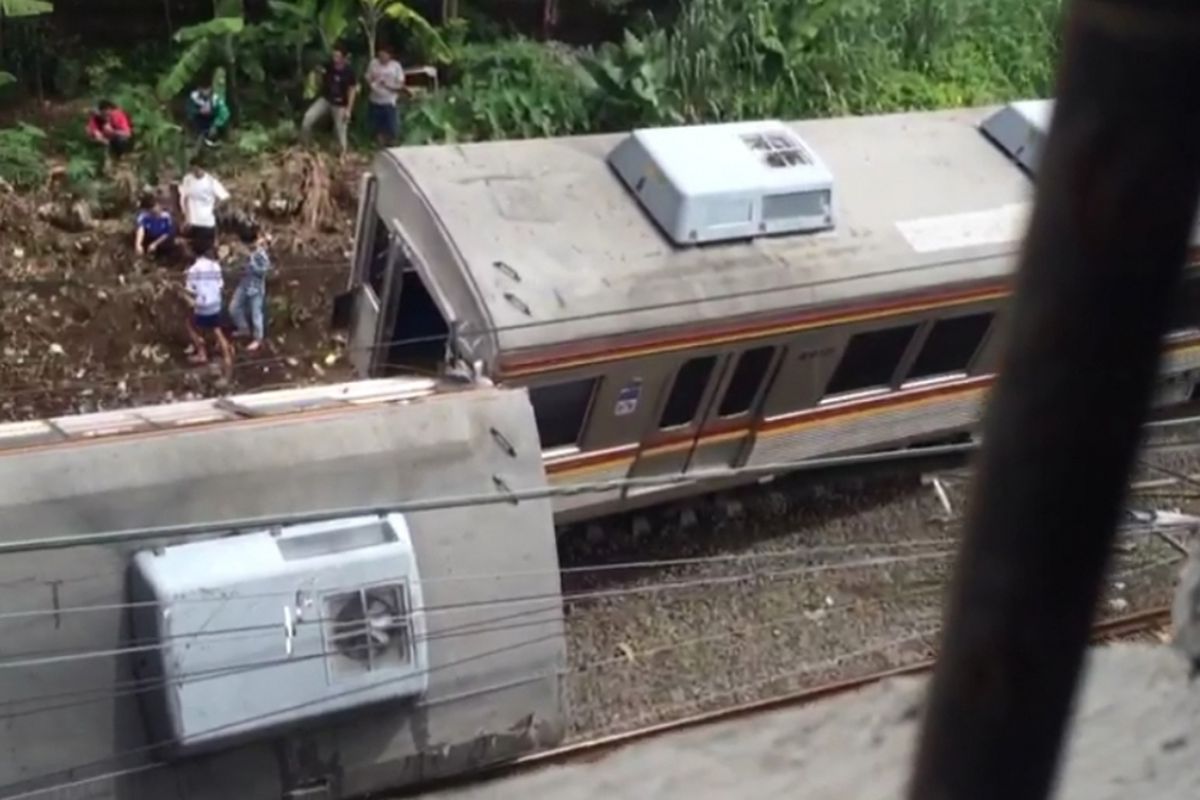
{"x":537,"y":244}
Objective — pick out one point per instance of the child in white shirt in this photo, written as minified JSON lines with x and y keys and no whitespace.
{"x":204,"y":284}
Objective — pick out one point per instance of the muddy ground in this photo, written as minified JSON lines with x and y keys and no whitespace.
{"x":86,"y":325}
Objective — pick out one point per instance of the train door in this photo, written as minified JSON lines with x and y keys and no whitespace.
{"x":727,"y":426}
{"x":687,"y":393}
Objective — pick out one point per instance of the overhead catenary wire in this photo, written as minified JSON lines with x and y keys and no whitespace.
{"x":479,"y":627}
{"x":496,"y":497}
{"x":149,"y":748}
{"x":500,"y":497}
{"x":654,"y":648}
{"x":582,"y":569}
{"x":620,"y":566}
{"x":572,"y":597}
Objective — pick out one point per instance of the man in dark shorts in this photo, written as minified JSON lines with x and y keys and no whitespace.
{"x":204,"y":284}
{"x":339,"y":87}
{"x":199,"y":194}
{"x":385,"y":77}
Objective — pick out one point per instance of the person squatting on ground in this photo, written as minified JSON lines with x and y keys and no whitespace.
{"x":251,"y":291}
{"x":339,"y":87}
{"x":385,"y":77}
{"x":207,"y":113}
{"x":199,"y":194}
{"x":204,"y":284}
{"x":109,"y":125}
{"x":155,"y":235}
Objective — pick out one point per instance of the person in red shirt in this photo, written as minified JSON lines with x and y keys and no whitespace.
{"x":109,"y":125}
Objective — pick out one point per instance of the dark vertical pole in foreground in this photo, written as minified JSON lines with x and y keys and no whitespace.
{"x":1116,"y":196}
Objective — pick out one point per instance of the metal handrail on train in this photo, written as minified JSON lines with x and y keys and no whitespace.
{"x":1115,"y":203}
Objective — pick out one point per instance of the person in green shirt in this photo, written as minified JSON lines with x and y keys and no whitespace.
{"x":208,"y":113}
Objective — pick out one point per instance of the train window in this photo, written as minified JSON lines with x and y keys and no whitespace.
{"x":684,"y":400}
{"x":746,"y":381}
{"x":561,"y":410}
{"x":870,"y":359}
{"x":951,"y":345}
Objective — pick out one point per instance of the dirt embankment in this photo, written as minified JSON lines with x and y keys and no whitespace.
{"x":86,"y":325}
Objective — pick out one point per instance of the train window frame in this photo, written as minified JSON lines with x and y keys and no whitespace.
{"x":381,"y":256}
{"x":669,"y":395}
{"x":882,"y":386}
{"x":580,"y":419}
{"x":759,"y":382}
{"x":960,"y":369}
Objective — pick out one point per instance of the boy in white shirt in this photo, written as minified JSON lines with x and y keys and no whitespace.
{"x":204,"y":284}
{"x":199,"y":194}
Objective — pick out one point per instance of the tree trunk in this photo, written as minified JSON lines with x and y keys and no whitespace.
{"x":167,"y":19}
{"x":549,"y":18}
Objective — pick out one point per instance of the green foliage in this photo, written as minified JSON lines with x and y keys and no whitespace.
{"x":25,"y":8}
{"x":208,"y":43}
{"x":256,"y":140}
{"x":160,"y":141}
{"x":429,"y":42}
{"x":709,"y":60}
{"x":514,"y":89}
{"x":738,"y":59}
{"x":22,"y":161}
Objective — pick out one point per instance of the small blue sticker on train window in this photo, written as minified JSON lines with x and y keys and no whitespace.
{"x":627,"y":398}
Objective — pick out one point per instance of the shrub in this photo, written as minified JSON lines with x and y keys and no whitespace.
{"x":507,"y":90}
{"x":22,"y":162}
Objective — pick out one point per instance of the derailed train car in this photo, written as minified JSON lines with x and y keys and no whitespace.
{"x":682,"y":299}
{"x":320,"y":660}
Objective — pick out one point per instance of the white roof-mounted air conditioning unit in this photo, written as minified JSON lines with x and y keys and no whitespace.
{"x":263,"y":630}
{"x":712,"y":183}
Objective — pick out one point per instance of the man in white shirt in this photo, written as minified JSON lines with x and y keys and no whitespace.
{"x":204,"y":284}
{"x":199,"y":194}
{"x":385,"y":76}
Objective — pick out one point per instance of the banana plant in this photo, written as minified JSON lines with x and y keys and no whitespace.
{"x":372,"y":12}
{"x":218,"y":42}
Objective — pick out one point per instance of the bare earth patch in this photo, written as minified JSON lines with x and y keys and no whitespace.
{"x":86,"y":325}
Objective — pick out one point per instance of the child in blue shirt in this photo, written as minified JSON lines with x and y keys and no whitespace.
{"x":155,"y":235}
{"x":250,"y":295}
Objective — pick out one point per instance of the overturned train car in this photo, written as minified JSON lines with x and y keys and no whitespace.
{"x":322,"y":660}
{"x":682,"y":299}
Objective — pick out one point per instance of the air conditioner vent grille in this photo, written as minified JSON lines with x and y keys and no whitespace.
{"x":367,"y":630}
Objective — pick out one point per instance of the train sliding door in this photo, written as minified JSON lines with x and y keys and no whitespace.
{"x":727,"y":427}
{"x":667,"y":447}
{"x":707,"y":415}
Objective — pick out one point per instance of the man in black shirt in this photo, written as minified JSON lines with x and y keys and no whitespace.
{"x":339,"y":86}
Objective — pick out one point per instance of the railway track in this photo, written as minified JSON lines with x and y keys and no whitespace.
{"x":1148,"y":626}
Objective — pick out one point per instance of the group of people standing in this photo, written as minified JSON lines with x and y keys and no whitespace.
{"x":208,"y":112}
{"x":386,"y":81}
{"x":199,"y":195}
